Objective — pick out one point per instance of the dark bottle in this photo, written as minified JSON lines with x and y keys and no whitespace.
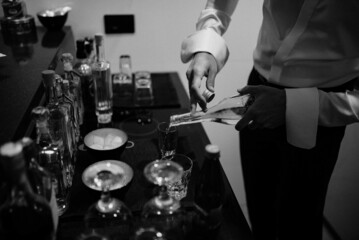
{"x":210,"y":195}
{"x":24,"y":214}
{"x":49,"y":156}
{"x":40,"y":179}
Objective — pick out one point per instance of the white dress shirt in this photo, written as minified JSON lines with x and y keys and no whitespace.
{"x":302,"y":45}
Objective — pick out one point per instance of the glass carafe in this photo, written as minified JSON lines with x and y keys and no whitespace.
{"x":228,"y":111}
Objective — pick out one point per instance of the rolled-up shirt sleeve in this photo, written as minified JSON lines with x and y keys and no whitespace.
{"x":302,"y":111}
{"x":210,"y":27}
{"x":308,"y":108}
{"x":205,"y":40}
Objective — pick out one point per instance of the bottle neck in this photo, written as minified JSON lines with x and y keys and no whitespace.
{"x":43,"y":133}
{"x":52,"y":95}
{"x":187,"y":118}
{"x":17,"y":176}
{"x":100,"y":53}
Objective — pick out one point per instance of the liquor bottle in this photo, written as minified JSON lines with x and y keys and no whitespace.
{"x":89,"y":49}
{"x":58,"y":117}
{"x":75,"y":83}
{"x":102,"y":82}
{"x":83,"y":67}
{"x":67,"y":106}
{"x":39,"y":177}
{"x":209,"y":193}
{"x":228,"y":111}
{"x":24,"y":214}
{"x":69,"y":101}
{"x":50,"y":157}
{"x":13,"y":9}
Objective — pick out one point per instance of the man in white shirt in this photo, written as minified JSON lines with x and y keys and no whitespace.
{"x":306,"y":65}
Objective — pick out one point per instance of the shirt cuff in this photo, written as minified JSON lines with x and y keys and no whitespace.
{"x":302,"y":111}
{"x":206,"y":40}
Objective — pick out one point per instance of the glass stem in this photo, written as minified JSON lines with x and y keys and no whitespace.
{"x":163,"y":192}
{"x":105,"y":195}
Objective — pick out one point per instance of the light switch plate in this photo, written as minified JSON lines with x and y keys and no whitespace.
{"x":119,"y":24}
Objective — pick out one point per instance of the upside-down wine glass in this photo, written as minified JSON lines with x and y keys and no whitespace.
{"x":109,"y":217}
{"x":163,"y":212}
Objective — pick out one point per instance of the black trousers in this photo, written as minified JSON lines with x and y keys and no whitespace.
{"x":286,"y":186}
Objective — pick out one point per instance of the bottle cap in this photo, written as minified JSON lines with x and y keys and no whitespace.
{"x":48,"y":78}
{"x":88,"y":45}
{"x":11,"y":157}
{"x":40,"y":113}
{"x":208,"y":95}
{"x":67,"y":57}
{"x":80,"y":49}
{"x":212,"y":150}
{"x":99,"y":39}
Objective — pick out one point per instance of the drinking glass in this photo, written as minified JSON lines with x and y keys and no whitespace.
{"x":143,"y":88}
{"x":108,"y":217}
{"x":163,"y":212}
{"x":178,"y":189}
{"x":167,"y":139}
{"x":103,"y":91}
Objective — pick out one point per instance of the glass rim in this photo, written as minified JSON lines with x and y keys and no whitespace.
{"x":160,"y":127}
{"x":183,"y":156}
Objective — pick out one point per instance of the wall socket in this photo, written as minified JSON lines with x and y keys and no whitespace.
{"x":119,"y":24}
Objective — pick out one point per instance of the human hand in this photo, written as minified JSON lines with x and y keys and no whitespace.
{"x":203,"y":65}
{"x":267,"y":110}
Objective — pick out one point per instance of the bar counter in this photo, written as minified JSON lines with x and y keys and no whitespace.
{"x":192,"y":141}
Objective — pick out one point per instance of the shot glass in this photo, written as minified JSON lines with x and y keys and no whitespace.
{"x":167,"y":139}
{"x":143,"y":88}
{"x":178,"y":189}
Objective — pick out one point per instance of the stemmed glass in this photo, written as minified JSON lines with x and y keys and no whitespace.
{"x":109,"y":216}
{"x":163,"y":212}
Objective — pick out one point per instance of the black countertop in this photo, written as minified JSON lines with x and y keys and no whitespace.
{"x":20,"y":75}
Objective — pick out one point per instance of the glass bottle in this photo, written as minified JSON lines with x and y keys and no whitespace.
{"x":209,"y":194}
{"x":75,"y":83}
{"x":68,"y":100}
{"x":83,"y":67}
{"x":67,"y":106}
{"x":58,"y":119}
{"x":89,"y":49}
{"x":228,"y":111}
{"x":39,"y":177}
{"x":24,"y":214}
{"x":102,"y":82}
{"x":13,"y":9}
{"x":49,"y":156}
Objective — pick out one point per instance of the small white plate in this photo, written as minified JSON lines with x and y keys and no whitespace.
{"x":122,"y":174}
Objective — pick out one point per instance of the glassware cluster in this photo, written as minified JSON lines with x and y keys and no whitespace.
{"x":39,"y":172}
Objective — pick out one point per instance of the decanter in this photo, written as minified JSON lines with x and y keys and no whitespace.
{"x":228,"y":111}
